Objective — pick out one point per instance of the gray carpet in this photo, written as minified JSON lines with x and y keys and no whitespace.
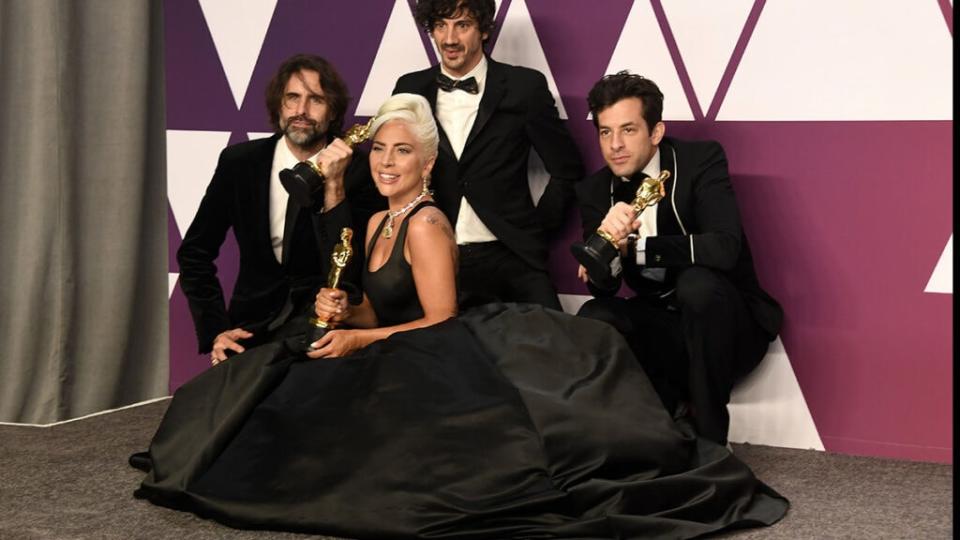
{"x":72,"y":482}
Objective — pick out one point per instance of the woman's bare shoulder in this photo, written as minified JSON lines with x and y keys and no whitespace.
{"x":431,"y":221}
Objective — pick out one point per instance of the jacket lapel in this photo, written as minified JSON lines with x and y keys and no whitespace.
{"x":666,"y":219}
{"x":429,"y":91}
{"x":289,"y":229}
{"x":496,"y":88}
{"x":260,"y":180}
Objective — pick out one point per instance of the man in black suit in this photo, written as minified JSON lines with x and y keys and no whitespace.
{"x":284,"y":250}
{"x":490,"y":114}
{"x":698,"y":320}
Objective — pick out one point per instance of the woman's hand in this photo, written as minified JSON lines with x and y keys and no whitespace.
{"x":336,"y":343}
{"x":331,"y":305}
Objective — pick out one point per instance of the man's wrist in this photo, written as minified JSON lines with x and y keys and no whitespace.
{"x":333,"y":195}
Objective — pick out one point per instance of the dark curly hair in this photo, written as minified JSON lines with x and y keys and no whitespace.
{"x":333,"y":86}
{"x":430,"y":11}
{"x":612,"y":88}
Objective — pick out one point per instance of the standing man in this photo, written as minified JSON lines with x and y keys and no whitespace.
{"x":699,"y":320}
{"x":284,"y":250}
{"x":490,"y":114}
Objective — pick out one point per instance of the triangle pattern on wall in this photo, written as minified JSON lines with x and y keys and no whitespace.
{"x":252,"y":135}
{"x":802,"y":65}
{"x":768,"y":407}
{"x":706,"y":33}
{"x":171,"y":282}
{"x":238,"y":30}
{"x":191,"y":160}
{"x":518,"y":44}
{"x":642,"y":50}
{"x":537,"y":176}
{"x":401,"y":51}
{"x":941,"y":280}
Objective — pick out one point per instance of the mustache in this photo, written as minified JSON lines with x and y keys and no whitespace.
{"x":453,"y":47}
{"x":302,"y":118}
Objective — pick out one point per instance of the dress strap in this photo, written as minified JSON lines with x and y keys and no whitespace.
{"x":402,"y":233}
{"x":422,"y":204}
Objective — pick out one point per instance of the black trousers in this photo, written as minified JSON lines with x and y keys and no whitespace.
{"x":694,"y":345}
{"x":489,"y":272}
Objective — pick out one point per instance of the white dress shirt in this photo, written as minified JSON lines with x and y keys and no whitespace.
{"x":283,"y":158}
{"x":648,"y":225}
{"x":456,"y":112}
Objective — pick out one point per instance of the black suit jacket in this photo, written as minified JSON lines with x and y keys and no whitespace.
{"x":698,"y":223}
{"x":238,"y":197}
{"x":516,"y":112}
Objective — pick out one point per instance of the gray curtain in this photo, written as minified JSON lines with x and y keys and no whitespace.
{"x":83,"y":211}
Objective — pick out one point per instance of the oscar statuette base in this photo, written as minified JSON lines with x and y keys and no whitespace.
{"x":595,"y":255}
{"x":315,"y":332}
{"x":302,"y":182}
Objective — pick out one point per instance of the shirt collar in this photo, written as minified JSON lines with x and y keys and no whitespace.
{"x":285,"y":157}
{"x":652,"y":169}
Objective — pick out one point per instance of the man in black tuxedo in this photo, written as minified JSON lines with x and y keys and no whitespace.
{"x":284,"y":249}
{"x":698,"y":320}
{"x":489,"y":115}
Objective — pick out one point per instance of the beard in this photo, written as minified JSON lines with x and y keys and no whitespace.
{"x":304,"y":137}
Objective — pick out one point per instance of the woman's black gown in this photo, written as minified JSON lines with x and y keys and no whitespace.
{"x":509,"y":421}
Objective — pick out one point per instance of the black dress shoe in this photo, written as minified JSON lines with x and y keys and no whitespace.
{"x":141,"y":460}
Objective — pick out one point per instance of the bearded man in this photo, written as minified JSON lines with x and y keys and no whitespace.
{"x":284,"y":249}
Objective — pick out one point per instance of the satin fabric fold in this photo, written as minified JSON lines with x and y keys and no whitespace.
{"x":510,"y":421}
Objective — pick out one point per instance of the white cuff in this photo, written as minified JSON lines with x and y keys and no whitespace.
{"x":615,"y":266}
{"x":641,"y":247}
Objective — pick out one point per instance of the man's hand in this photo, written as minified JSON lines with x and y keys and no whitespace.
{"x":620,"y":221}
{"x":228,"y":340}
{"x":331,"y":305}
{"x":582,"y":274}
{"x":336,"y":343}
{"x":333,"y":161}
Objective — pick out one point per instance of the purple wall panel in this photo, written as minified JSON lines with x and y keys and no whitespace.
{"x":846,"y":219}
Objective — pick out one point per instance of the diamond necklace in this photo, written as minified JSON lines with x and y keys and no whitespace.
{"x":388,"y":228}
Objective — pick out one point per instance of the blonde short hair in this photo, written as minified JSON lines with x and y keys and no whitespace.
{"x":413,"y":110}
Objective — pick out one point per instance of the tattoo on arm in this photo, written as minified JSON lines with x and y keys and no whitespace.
{"x":433,"y":219}
{"x":442,"y":223}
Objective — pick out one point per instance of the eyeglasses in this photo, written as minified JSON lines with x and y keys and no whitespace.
{"x":293,"y":100}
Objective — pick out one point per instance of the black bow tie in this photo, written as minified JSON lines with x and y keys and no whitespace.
{"x":627,"y":191}
{"x":468,"y":85}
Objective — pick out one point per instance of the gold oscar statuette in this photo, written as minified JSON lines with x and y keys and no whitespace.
{"x":342,"y":253}
{"x":305,"y":179}
{"x":648,"y":194}
{"x":600,"y":249}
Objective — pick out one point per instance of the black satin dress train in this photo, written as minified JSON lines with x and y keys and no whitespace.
{"x":510,"y":421}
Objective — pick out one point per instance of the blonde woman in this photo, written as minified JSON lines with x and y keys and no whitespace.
{"x":410,"y":278}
